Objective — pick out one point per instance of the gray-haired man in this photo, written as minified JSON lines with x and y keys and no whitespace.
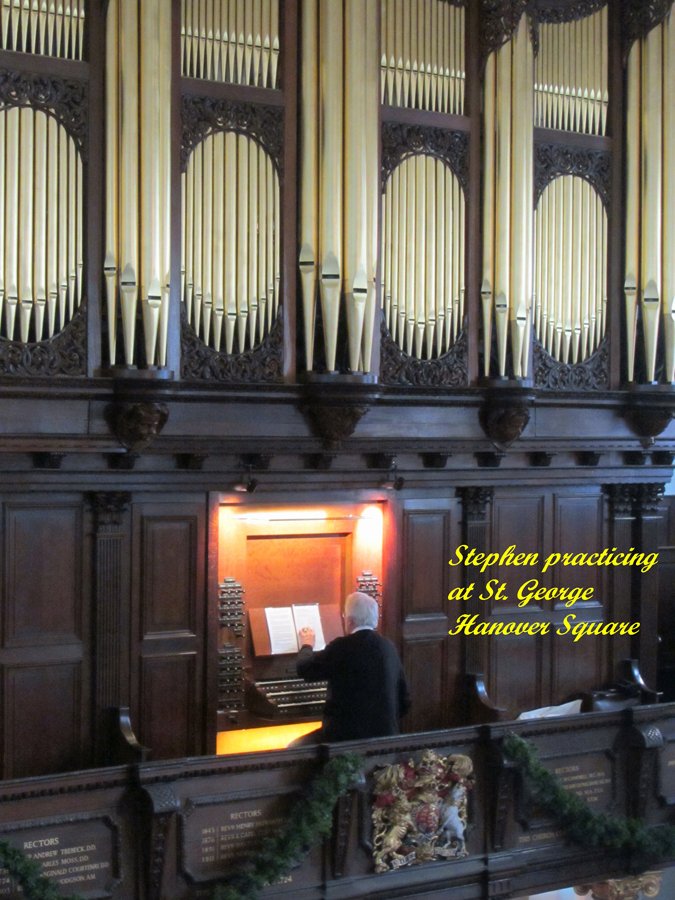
{"x":367,"y":688}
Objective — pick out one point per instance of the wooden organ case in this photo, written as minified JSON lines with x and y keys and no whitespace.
{"x":281,"y":556}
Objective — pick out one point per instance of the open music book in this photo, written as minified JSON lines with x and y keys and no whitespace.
{"x":284,"y":623}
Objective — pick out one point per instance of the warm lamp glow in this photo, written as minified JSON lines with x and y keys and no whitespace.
{"x":286,"y":515}
{"x":252,"y":740}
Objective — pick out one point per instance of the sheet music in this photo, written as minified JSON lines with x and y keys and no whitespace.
{"x":282,"y":630}
{"x":307,"y":616}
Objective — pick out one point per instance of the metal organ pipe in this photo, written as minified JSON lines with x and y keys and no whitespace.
{"x":422,"y":59}
{"x":231,"y":227}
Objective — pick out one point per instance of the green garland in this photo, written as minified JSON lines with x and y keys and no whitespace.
{"x":310,"y":820}
{"x":28,"y":875}
{"x":645,"y":845}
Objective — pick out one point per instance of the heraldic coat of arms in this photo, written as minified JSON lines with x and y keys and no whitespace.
{"x":420,"y":811}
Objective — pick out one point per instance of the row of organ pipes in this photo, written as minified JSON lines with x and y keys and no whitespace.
{"x":422,"y":63}
{"x":339,"y":174}
{"x":570,"y":75}
{"x":570,"y":279}
{"x":650,"y":198}
{"x":47,"y":27}
{"x":138,"y":183}
{"x":423,"y":256}
{"x":41,"y":206}
{"x":231,"y":40}
{"x":231,"y":241}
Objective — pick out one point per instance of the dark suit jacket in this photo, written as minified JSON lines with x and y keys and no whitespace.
{"x":367,"y":689}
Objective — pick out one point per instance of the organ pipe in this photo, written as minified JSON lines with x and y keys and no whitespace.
{"x":423,"y":242}
{"x":231,"y":225}
{"x":649,"y":285}
{"x":137,"y":259}
{"x":422,"y":60}
{"x":571,"y":75}
{"x":507,"y":285}
{"x":234,"y":41}
{"x":54,"y":31}
{"x":41,"y":230}
{"x":570,"y":269}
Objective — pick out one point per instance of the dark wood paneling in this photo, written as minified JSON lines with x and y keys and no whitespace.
{"x":578,"y":529}
{"x":43,"y":574}
{"x":516,"y":521}
{"x":515,"y":669}
{"x":168,"y":614}
{"x":576,"y":666}
{"x":426,"y":562}
{"x":423,"y":663}
{"x":41,"y":714}
{"x":167,"y":722}
{"x":169,"y":574}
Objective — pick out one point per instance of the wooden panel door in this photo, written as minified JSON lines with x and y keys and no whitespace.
{"x":169,"y":709}
{"x":431,"y":657}
{"x":44,"y":657}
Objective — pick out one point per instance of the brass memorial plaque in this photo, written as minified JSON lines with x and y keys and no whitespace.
{"x":79,"y":856}
{"x":217,"y":836}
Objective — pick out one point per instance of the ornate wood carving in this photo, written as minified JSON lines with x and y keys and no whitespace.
{"x":646,"y":498}
{"x":399,"y":141}
{"x":435,"y":460}
{"x":500,"y":21}
{"x":489,"y":459}
{"x":263,"y":363}
{"x":341,"y":828}
{"x":64,"y":354}
{"x":553,"y":160}
{"x":136,"y":425}
{"x":639,"y":17}
{"x":474,"y":503}
{"x":554,"y":12}
{"x":334,"y":424}
{"x":620,"y":497}
{"x":503,"y":423}
{"x":202,"y":116}
{"x":647,"y":422}
{"x":590,"y":375}
{"x":66,"y":99}
{"x":449,"y":370}
{"x":645,"y":744}
{"x":589,"y":457}
{"x":541,"y":459}
{"x":385,"y":461}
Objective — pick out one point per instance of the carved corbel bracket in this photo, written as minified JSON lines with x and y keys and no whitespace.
{"x":334,"y":410}
{"x":161,"y":804}
{"x":384,"y":461}
{"x":505,"y":414}
{"x":435,"y":460}
{"x":136,"y":424}
{"x":648,"y":420}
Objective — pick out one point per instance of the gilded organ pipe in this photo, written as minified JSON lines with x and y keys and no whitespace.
{"x":47,"y":29}
{"x":668,"y":251}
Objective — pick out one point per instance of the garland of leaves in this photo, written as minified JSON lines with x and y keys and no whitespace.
{"x":645,"y":844}
{"x":28,"y":875}
{"x":310,"y":820}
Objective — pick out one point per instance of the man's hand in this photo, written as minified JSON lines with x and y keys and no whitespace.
{"x":306,"y":636}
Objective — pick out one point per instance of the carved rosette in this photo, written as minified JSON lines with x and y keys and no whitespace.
{"x":449,"y":370}
{"x":553,"y":160}
{"x":399,"y":141}
{"x":630,"y":888}
{"x":67,"y":99}
{"x":262,"y":364}
{"x":136,"y":425}
{"x":474,"y":502}
{"x":202,"y":116}
{"x":590,"y":375}
{"x":64,"y":354}
{"x":639,"y":17}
